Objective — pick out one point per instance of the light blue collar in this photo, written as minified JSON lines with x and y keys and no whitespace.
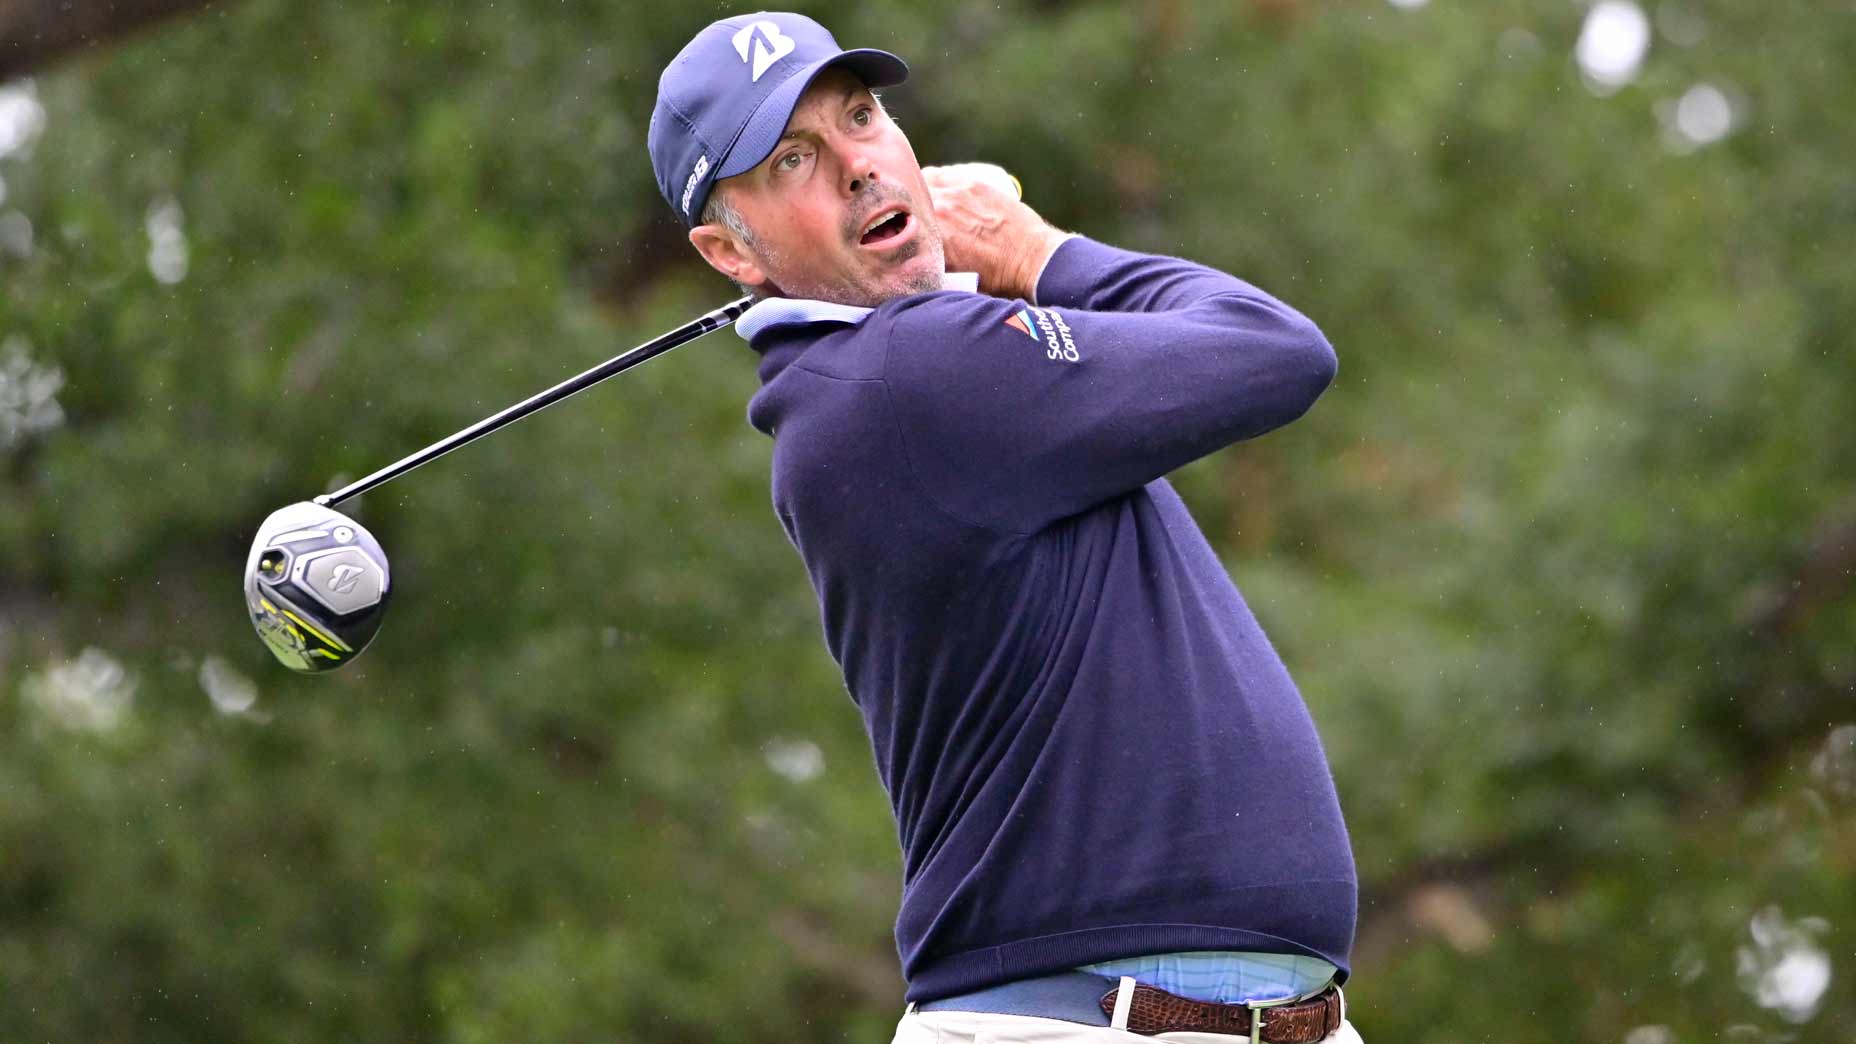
{"x":796,"y":311}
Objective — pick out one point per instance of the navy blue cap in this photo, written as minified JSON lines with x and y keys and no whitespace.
{"x":723,"y":103}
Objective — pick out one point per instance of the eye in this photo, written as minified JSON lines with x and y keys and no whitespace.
{"x":790,"y":161}
{"x":862,"y":116}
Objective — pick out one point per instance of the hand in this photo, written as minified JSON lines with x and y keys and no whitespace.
{"x":985,"y":228}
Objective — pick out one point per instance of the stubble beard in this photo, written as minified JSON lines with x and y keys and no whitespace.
{"x":867,"y":290}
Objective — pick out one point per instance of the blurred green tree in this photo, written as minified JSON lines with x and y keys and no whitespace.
{"x":1562,"y":563}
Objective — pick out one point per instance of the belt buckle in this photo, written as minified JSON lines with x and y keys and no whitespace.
{"x":1256,"y":1015}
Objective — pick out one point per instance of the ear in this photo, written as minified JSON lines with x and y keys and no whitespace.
{"x":726,"y":255}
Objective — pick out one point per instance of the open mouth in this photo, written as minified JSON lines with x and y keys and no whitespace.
{"x":888,"y":228}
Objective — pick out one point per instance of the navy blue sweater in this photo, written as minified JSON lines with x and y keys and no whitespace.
{"x":1091,"y":748}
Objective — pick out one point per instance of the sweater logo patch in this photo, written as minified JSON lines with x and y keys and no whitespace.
{"x":1021,"y":321}
{"x":1047,"y":328}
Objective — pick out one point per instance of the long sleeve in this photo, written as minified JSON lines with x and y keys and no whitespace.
{"x":1013,"y":416}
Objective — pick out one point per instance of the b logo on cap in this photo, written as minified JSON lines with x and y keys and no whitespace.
{"x":768,"y":45}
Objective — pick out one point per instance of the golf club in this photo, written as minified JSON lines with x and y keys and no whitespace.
{"x":316,"y":581}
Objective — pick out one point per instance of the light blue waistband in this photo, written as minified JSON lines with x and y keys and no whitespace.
{"x":1228,"y":977}
{"x":1070,"y":996}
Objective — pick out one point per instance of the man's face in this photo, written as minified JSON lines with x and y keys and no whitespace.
{"x":839,"y":211}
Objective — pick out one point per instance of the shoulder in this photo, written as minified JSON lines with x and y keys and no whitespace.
{"x":943,"y":310}
{"x":839,"y":351}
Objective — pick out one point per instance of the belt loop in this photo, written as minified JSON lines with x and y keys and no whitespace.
{"x":1124,"y":1001}
{"x":1342,"y":994}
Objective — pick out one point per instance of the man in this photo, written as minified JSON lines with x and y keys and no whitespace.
{"x":1114,"y":812}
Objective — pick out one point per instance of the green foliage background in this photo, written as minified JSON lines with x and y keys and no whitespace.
{"x":1562,"y":562}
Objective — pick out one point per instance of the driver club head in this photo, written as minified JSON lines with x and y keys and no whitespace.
{"x":316,"y":584}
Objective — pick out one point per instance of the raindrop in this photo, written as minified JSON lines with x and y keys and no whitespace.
{"x":1612,"y":44}
{"x":1650,"y":1035}
{"x":1409,"y":4}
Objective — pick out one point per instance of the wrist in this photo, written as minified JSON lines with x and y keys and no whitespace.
{"x":1033,"y":259}
{"x":1046,"y":252}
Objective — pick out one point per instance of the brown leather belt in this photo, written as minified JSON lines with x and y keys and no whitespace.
{"x":1157,"y":1011}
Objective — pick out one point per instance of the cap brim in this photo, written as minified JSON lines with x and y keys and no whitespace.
{"x":768,"y":124}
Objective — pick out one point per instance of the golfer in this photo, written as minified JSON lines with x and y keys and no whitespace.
{"x":1114,"y":812}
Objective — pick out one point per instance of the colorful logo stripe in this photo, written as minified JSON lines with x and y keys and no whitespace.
{"x":1021,"y":321}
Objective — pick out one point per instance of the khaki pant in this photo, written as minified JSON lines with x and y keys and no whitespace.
{"x":967,"y":1027}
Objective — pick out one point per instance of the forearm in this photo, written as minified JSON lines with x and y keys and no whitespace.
{"x":1262,"y":363}
{"x":1092,"y":275}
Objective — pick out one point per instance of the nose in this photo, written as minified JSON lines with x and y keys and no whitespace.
{"x":859,"y":171}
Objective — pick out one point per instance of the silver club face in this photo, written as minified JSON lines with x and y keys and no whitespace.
{"x":316,"y":584}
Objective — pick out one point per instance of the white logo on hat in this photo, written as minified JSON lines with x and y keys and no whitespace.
{"x":689,"y":187}
{"x":769,"y":45}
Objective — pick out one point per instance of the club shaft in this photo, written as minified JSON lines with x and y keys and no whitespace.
{"x":707,"y":323}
